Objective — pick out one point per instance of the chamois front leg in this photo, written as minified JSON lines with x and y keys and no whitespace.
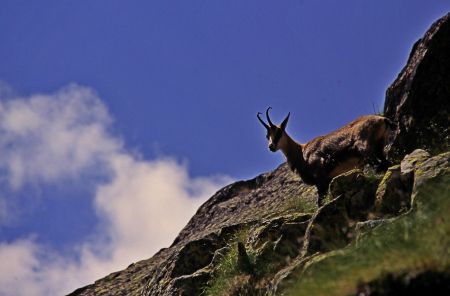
{"x":376,"y":159}
{"x":382,"y":165}
{"x":322,"y":189}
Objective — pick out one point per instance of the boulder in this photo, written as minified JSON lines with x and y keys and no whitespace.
{"x":393,"y":195}
{"x":419,"y":99}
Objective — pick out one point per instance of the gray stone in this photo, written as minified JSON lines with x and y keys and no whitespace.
{"x":419,"y":99}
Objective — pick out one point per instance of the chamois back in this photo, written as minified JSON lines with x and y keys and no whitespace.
{"x":351,"y":146}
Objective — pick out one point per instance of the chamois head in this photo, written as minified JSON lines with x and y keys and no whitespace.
{"x":275,"y":134}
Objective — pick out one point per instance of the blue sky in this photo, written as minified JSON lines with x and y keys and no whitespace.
{"x":119,"y":118}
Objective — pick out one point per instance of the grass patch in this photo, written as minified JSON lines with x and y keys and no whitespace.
{"x":371,"y":174}
{"x":227,"y":268}
{"x":301,"y":205}
{"x":417,"y":241}
{"x":225,"y":272}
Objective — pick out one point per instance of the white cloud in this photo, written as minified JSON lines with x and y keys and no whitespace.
{"x":47,"y":138}
{"x":4,"y":216}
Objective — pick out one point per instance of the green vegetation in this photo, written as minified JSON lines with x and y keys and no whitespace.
{"x":229,"y":279}
{"x":371,"y":174}
{"x":300,"y":205}
{"x":226,"y":271}
{"x":414,"y":242}
{"x":227,"y":268}
{"x":377,"y":110}
{"x":417,"y":241}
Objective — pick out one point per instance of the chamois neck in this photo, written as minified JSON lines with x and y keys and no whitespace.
{"x":293,"y":151}
{"x":294,"y":155}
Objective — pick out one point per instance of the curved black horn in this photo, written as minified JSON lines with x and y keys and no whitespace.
{"x":267,"y":115}
{"x":263,"y":123}
{"x":285,"y":121}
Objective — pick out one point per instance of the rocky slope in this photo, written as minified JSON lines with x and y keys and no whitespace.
{"x":378,"y":234}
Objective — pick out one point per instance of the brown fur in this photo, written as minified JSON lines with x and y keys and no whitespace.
{"x":352,"y":146}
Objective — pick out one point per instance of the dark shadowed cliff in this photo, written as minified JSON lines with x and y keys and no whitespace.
{"x":377,"y":234}
{"x":418,"y":100}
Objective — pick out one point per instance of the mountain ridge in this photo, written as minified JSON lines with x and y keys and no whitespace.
{"x":264,"y":236}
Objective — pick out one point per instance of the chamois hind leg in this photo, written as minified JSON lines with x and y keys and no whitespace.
{"x":383,"y":163}
{"x":371,"y":156}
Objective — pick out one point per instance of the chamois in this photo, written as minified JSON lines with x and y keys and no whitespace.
{"x":318,"y":161}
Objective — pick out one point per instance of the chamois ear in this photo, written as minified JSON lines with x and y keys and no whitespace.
{"x":285,"y":121}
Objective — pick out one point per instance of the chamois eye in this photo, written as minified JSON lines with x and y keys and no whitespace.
{"x":267,"y":137}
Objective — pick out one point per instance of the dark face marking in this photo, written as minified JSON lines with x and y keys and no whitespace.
{"x":278,"y":135}
{"x":274,"y":135}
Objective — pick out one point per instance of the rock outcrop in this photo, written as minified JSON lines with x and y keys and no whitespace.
{"x":418,"y":100}
{"x":375,"y":232}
